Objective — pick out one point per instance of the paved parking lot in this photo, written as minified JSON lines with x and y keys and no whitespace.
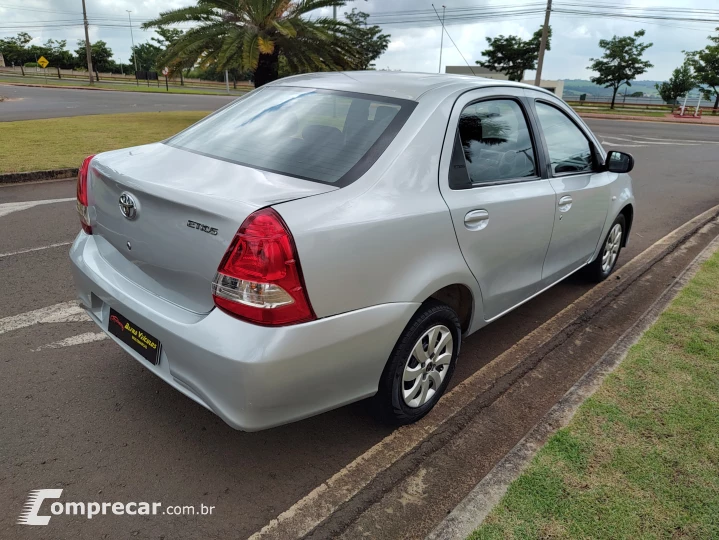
{"x":79,"y":414}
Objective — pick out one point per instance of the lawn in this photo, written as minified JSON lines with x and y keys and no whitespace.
{"x":55,"y":143}
{"x":641,"y":457}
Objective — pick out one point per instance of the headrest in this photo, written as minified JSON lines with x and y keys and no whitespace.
{"x":316,"y":132}
{"x":384,"y":113}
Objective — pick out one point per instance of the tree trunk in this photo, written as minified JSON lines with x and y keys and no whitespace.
{"x":267,"y":68}
{"x":716,"y":104}
{"x":182,"y":80}
{"x":614,"y":97}
{"x":22,"y":70}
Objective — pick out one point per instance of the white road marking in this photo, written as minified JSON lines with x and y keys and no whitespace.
{"x":625,"y":145}
{"x":9,"y":208}
{"x":29,"y":250}
{"x":653,"y":143}
{"x":59,"y":313}
{"x":670,"y":140}
{"x":88,"y":337}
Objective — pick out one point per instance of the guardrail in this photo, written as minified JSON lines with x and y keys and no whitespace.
{"x":115,"y":78}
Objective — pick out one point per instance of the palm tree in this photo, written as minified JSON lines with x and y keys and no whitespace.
{"x":252,"y":34}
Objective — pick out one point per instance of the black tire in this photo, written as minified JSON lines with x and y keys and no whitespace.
{"x":595,"y":271}
{"x":389,"y":403}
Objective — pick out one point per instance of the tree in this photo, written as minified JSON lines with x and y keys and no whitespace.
{"x":146,"y":55}
{"x":168,"y":37}
{"x":706,"y":68}
{"x":621,"y":62}
{"x":679,"y":84}
{"x":369,"y":41}
{"x":250,"y":35}
{"x":56,"y":53}
{"x":15,"y":50}
{"x":512,"y":55}
{"x":101,"y":55}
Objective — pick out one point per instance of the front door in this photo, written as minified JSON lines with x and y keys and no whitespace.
{"x":582,"y":192}
{"x":501,"y":207}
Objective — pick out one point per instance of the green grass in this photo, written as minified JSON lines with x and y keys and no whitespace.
{"x":641,"y":457}
{"x":55,"y":143}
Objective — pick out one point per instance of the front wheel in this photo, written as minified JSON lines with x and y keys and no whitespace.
{"x":421,"y":365}
{"x":599,"y":269}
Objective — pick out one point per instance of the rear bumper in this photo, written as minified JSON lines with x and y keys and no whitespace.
{"x":250,"y":376}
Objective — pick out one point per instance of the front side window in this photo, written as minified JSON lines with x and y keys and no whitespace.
{"x":318,"y":135}
{"x":569,"y":150}
{"x":496,"y":142}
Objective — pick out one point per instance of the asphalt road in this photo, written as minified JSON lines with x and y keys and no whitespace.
{"x":80,"y":415}
{"x":29,"y":103}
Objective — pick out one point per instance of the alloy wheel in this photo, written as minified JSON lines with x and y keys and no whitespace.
{"x":427,"y":366}
{"x":611,"y":248}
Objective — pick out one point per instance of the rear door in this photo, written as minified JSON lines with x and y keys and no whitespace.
{"x":501,"y":207}
{"x":583,"y":191}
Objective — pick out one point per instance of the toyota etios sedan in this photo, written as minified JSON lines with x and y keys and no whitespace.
{"x":331,"y":237}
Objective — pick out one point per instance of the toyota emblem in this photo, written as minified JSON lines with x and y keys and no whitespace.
{"x":128,"y":206}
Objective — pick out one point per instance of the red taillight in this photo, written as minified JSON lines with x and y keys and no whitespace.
{"x":259,"y":278}
{"x":82,"y":204}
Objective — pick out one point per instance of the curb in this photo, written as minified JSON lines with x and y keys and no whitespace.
{"x":469,"y":514}
{"x":599,"y":116}
{"x":35,"y":176}
{"x":405,"y":448}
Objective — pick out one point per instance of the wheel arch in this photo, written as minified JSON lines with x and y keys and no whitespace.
{"x":461,"y":299}
{"x":628,"y":213}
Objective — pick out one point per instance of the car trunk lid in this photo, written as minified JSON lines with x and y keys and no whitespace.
{"x":188,"y":208}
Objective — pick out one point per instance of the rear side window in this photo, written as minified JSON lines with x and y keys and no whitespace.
{"x":320,"y":135}
{"x":569,"y":150}
{"x":496,"y":142}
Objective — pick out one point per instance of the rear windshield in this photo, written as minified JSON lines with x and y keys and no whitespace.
{"x":321,"y":135}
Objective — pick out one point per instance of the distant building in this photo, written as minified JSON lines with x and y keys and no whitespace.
{"x":556,"y":87}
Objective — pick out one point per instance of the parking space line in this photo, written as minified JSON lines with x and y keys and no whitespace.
{"x":81,"y":339}
{"x":9,"y":208}
{"x":59,"y":313}
{"x":30,"y":250}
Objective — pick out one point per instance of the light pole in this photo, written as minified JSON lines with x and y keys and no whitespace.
{"x":441,"y":40}
{"x":543,"y":45}
{"x":88,"y":48}
{"x":132,"y":39}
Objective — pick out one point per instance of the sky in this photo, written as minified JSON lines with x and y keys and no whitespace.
{"x":413,"y":47}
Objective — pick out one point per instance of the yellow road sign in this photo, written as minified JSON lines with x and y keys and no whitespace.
{"x":42,"y":62}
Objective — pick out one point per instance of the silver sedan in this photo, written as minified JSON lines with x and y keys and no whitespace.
{"x":332,"y":237}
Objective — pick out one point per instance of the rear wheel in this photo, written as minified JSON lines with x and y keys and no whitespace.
{"x":604,"y":264}
{"x":421,"y":365}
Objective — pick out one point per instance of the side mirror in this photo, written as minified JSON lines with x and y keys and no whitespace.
{"x":619,"y":162}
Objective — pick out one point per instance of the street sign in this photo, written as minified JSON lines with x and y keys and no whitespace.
{"x":42,"y":62}
{"x":165,"y":71}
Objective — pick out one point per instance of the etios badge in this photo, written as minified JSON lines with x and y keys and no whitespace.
{"x":128,"y":206}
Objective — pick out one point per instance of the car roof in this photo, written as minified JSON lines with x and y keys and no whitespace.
{"x":397,"y":84}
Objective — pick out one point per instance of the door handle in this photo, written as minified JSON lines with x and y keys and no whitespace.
{"x":476,"y":220}
{"x":565,"y":203}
